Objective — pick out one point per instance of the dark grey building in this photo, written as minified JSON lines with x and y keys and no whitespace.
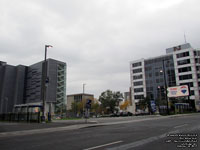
{"x":22,"y":86}
{"x":154,"y":73}
{"x":12,"y":84}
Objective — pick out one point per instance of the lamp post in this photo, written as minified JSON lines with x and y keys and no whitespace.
{"x":6,"y":100}
{"x":83,"y":96}
{"x":165,"y":82}
{"x":45,"y":80}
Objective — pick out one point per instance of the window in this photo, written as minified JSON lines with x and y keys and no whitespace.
{"x":149,"y":82}
{"x":137,"y":64}
{"x":183,"y":62}
{"x":150,"y":88}
{"x":148,"y":62}
{"x":138,"y":83}
{"x":139,"y":96}
{"x":137,"y":77}
{"x":180,"y":55}
{"x":198,"y":76}
{"x":157,"y":73}
{"x":192,"y":92}
{"x":137,"y":70}
{"x":150,"y":95}
{"x":148,"y":68}
{"x":190,"y":84}
{"x":196,"y":53}
{"x":138,"y":90}
{"x":197,"y":60}
{"x":185,"y":69}
{"x":197,"y":68}
{"x":185,"y":77}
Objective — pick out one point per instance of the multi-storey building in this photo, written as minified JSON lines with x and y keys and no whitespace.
{"x":180,"y":66}
{"x":21,"y":86}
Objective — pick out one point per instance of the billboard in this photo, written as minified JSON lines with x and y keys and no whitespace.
{"x":178,"y":91}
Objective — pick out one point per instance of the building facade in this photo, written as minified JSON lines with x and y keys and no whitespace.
{"x":75,"y":98}
{"x":21,"y":86}
{"x":180,"y":66}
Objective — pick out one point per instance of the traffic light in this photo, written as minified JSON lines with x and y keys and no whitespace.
{"x":88,"y":104}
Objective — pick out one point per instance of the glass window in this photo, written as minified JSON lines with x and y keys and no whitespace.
{"x":139,"y":96}
{"x":185,"y":69}
{"x":190,"y":84}
{"x":185,"y":77}
{"x":197,"y":68}
{"x":192,"y":92}
{"x":196,"y":53}
{"x":180,"y":55}
{"x":183,"y":62}
{"x":157,"y":73}
{"x":138,"y":83}
{"x":137,"y":77}
{"x":137,"y":64}
{"x":138,"y":90}
{"x":137,"y":70}
{"x":148,"y":68}
{"x":198,"y":76}
{"x":150,"y":88}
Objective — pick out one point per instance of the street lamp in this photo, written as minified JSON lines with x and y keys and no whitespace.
{"x":165,"y":82}
{"x":84,"y":88}
{"x":6,"y":100}
{"x":45,"y":80}
{"x":83,"y":96}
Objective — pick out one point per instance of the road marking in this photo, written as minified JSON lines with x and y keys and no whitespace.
{"x":152,"y":139}
{"x":180,"y":126}
{"x":103,"y":145}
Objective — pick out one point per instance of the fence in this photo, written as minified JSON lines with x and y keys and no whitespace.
{"x":21,"y":117}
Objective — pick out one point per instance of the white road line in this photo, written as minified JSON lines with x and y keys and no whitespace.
{"x":180,"y":126}
{"x":152,"y":139}
{"x":103,"y":145}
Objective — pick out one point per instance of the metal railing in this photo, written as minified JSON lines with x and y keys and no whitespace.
{"x":21,"y":117}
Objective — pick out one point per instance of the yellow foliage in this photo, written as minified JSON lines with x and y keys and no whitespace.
{"x":124,"y":105}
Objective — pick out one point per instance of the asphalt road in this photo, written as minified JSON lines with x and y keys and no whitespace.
{"x":161,"y":133}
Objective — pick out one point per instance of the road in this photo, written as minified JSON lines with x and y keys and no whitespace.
{"x":151,"y":134}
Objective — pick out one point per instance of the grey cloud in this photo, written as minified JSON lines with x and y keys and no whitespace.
{"x":97,"y":39}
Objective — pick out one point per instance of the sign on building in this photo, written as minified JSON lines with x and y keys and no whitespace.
{"x":178,"y":91}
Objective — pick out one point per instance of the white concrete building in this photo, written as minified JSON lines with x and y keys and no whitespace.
{"x":182,"y":67}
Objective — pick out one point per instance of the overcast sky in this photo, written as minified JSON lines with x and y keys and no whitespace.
{"x":96,"y":38}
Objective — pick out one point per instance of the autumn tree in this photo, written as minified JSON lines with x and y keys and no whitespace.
{"x":125,"y":105}
{"x":95,"y":108}
{"x":77,"y":108}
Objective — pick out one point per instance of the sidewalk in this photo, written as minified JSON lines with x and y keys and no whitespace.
{"x":15,"y":126}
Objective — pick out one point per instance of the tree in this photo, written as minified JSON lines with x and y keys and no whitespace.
{"x":77,"y":108}
{"x":144,"y":104}
{"x":124,"y":105}
{"x":95,"y":107}
{"x":109,"y":100}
